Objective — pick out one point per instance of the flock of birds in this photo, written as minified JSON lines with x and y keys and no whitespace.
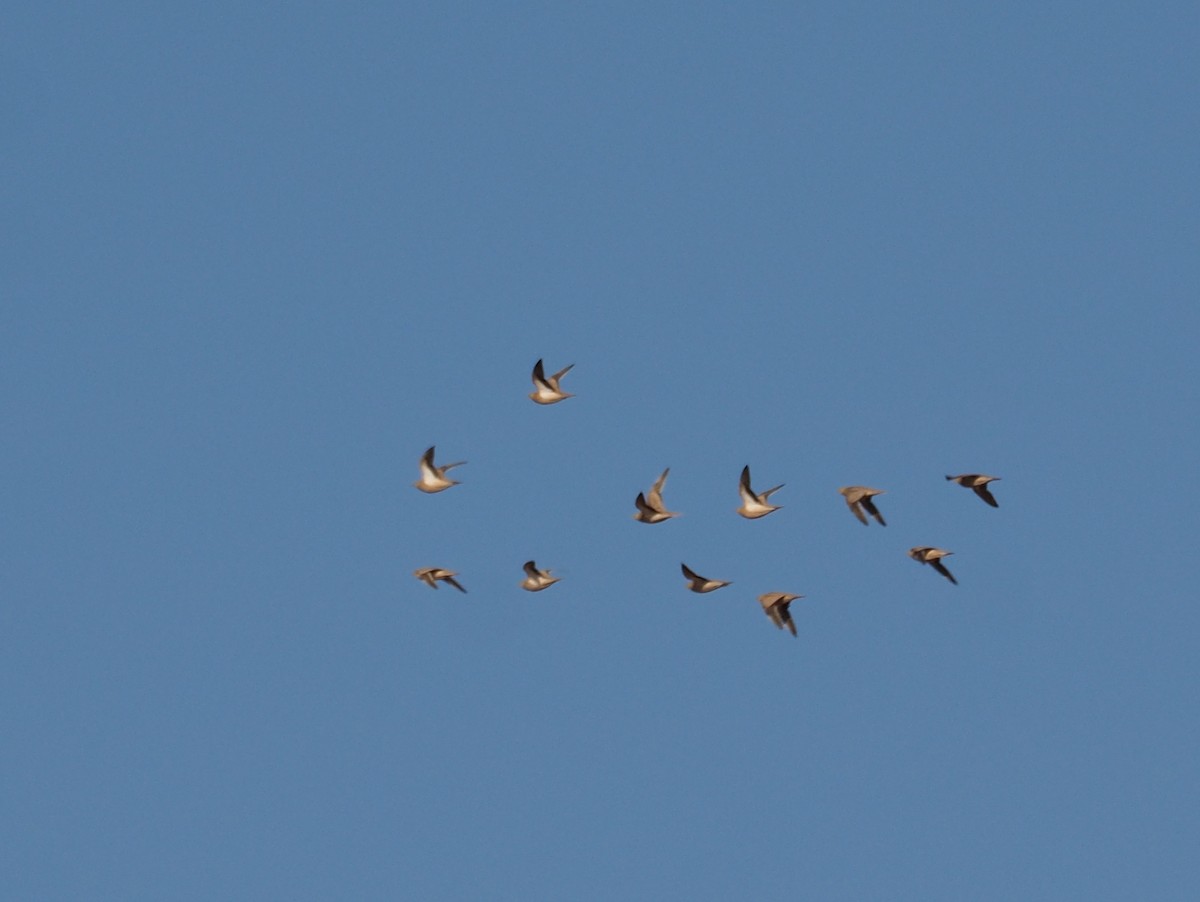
{"x":652,"y":509}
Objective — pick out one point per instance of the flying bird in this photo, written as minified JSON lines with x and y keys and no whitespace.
{"x":650,"y":507}
{"x":431,"y":575}
{"x":927,"y":554}
{"x":858,"y":498}
{"x":536,"y":580}
{"x":433,"y":478}
{"x":979,"y":483}
{"x":548,"y":391}
{"x":698,"y":583}
{"x":755,"y":505}
{"x":775,"y":606}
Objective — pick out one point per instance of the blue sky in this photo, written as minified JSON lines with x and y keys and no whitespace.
{"x":258,"y":258}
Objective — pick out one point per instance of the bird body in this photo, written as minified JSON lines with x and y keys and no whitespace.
{"x":536,"y":580}
{"x":858,"y":499}
{"x":927,"y":554}
{"x":431,"y":575}
{"x":434,"y":478}
{"x":546,"y":387}
{"x":978,"y":482}
{"x":650,"y":506}
{"x":755,"y":504}
{"x":775,"y":605}
{"x":698,"y":583}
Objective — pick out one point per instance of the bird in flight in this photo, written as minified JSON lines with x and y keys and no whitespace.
{"x":431,"y":575}
{"x":698,"y":583}
{"x":927,"y":554}
{"x":433,"y":478}
{"x":979,"y":483}
{"x":536,"y":580}
{"x":775,"y":606}
{"x":548,"y":391}
{"x":858,"y":498}
{"x":650,"y":506}
{"x":755,"y":505}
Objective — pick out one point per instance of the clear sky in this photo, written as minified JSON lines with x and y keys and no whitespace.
{"x":258,"y":257}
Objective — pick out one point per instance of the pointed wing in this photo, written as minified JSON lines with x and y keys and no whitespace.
{"x":941,"y":568}
{"x":566,"y":369}
{"x":642,"y":506}
{"x":857,"y":511}
{"x":744,"y":489}
{"x":785,"y":615}
{"x":531,"y":569}
{"x":655,"y":497}
{"x":982,"y":492}
{"x":539,"y":375}
{"x":689,"y":573}
{"x":769,"y":492}
{"x":428,"y":470}
{"x":772,"y":611}
{"x":452,"y":581}
{"x":872,"y":510}
{"x":457,"y":463}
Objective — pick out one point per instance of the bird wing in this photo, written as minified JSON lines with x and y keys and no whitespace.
{"x":941,"y":568}
{"x":857,"y":511}
{"x":982,"y":492}
{"x":744,"y":489}
{"x":531,"y":569}
{"x":654,"y":498}
{"x":452,"y":581}
{"x":539,"y":375}
{"x":566,"y":369}
{"x":872,"y":510}
{"x":428,"y":470}
{"x":689,"y":573}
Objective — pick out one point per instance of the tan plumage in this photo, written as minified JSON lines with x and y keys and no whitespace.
{"x":978,"y":482}
{"x":432,"y":575}
{"x":698,"y":583}
{"x":755,"y":504}
{"x":546,"y":387}
{"x":536,"y":580}
{"x":927,"y":554}
{"x":433,"y":478}
{"x":650,"y":507}
{"x":858,"y":498}
{"x":775,"y":605}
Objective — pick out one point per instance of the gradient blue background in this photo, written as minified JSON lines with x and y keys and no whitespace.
{"x":258,"y":257}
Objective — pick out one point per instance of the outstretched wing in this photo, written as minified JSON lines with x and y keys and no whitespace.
{"x":982,"y":492}
{"x":655,"y":497}
{"x":857,"y":511}
{"x":786,"y":616}
{"x":744,"y":489}
{"x":941,"y":568}
{"x":452,"y":581}
{"x":872,"y":510}
{"x":428,"y":470}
